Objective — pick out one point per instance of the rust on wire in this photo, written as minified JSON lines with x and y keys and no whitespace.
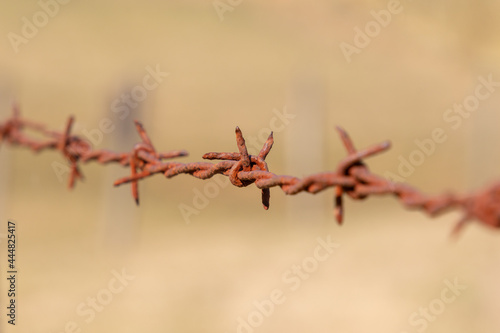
{"x":351,"y":177}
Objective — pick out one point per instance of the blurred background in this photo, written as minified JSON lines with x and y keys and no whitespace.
{"x":202,"y":256}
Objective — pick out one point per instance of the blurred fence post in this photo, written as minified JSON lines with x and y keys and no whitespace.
{"x":483,"y":160}
{"x":305,"y":144}
{"x":120,"y":214}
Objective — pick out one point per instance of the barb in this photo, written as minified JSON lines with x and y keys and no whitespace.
{"x":76,"y":149}
{"x":351,"y":177}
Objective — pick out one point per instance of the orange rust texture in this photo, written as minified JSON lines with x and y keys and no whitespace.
{"x":351,"y":176}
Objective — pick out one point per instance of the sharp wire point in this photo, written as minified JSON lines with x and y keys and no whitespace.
{"x":351,"y":177}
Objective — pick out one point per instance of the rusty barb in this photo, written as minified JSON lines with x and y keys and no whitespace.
{"x":351,"y":176}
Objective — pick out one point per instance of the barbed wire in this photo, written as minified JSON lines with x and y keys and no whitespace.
{"x":351,"y":177}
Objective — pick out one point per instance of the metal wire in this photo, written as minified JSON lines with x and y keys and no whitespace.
{"x":351,"y":176}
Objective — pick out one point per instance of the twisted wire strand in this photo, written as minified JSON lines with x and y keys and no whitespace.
{"x":351,"y":176}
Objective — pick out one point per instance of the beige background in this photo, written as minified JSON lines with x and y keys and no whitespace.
{"x":263,"y":56}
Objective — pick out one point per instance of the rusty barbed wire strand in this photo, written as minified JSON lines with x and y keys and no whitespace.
{"x":351,"y":176}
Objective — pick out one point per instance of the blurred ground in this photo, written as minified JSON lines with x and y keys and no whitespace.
{"x":261,"y":59}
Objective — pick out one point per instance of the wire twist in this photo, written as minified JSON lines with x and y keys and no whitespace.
{"x":351,"y":176}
